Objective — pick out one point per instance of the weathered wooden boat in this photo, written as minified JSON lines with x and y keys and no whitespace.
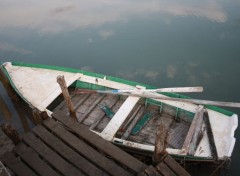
{"x":133,"y":118}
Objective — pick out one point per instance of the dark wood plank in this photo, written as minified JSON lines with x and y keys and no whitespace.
{"x":51,"y":156}
{"x":66,"y":152}
{"x":33,"y":160}
{"x":142,"y":174}
{"x":84,"y":149}
{"x":151,"y":171}
{"x":82,"y":118}
{"x":210,"y":136}
{"x":16,"y":165}
{"x":3,"y":170}
{"x":171,"y":163}
{"x":164,"y":170}
{"x":107,"y":147}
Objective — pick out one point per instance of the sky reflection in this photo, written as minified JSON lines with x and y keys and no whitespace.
{"x":50,"y":17}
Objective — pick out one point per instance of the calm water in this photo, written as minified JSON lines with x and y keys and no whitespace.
{"x":158,"y":42}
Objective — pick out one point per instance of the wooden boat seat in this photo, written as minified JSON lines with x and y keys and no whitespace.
{"x":109,"y":132}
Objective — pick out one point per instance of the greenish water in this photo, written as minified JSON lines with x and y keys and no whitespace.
{"x":156,"y":42}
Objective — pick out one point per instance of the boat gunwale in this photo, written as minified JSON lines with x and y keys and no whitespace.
{"x":110,"y":78}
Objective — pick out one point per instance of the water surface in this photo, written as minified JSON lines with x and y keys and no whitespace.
{"x":157,"y":42}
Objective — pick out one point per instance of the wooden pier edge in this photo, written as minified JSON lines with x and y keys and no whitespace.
{"x":62,"y":146}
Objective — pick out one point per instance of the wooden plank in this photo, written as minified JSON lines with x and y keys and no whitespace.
{"x":210,"y":136}
{"x":111,"y":129}
{"x":192,"y":101}
{"x":151,"y":171}
{"x":141,"y":123}
{"x":4,"y":108}
{"x":186,"y":144}
{"x":131,"y":118}
{"x":80,"y":101}
{"x":108,"y":148}
{"x":66,"y":152}
{"x":142,"y":174}
{"x":50,"y":156}
{"x":3,"y":170}
{"x":164,"y":170}
{"x":102,"y":114}
{"x":61,"y":81}
{"x":196,"y":135}
{"x":80,"y":119}
{"x":84,"y":149}
{"x":171,"y":163}
{"x":33,"y":160}
{"x":132,"y":125}
{"x":16,"y":165}
{"x":160,"y":145}
{"x":7,"y":84}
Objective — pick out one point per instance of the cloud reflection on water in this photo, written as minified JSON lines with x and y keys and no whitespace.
{"x":59,"y":15}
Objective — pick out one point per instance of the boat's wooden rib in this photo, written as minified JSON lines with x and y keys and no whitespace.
{"x":212,"y":144}
{"x":111,"y":129}
{"x":186,"y":144}
{"x":196,"y":135}
{"x":177,"y":133}
{"x":79,"y":100}
{"x":110,"y":102}
{"x":81,"y":118}
{"x":134,"y":122}
{"x":125,"y":125}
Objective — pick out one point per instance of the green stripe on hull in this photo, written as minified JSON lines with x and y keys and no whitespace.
{"x":119,"y":80}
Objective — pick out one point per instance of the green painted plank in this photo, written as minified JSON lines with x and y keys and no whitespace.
{"x":142,"y":122}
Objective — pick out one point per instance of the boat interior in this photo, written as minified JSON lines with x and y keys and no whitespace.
{"x":140,"y":125}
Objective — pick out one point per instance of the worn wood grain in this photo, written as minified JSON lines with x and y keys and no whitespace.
{"x":51,"y":156}
{"x":111,"y":150}
{"x":152,"y":171}
{"x":133,"y":124}
{"x":63,"y":85}
{"x":84,"y":149}
{"x":186,"y":144}
{"x":80,"y":119}
{"x":32,"y":158}
{"x":16,"y":165}
{"x":164,"y":170}
{"x":66,"y":152}
{"x":102,"y":114}
{"x":171,"y":163}
{"x":210,"y":136}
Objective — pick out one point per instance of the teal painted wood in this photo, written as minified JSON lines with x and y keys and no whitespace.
{"x":107,"y":110}
{"x":142,"y":122}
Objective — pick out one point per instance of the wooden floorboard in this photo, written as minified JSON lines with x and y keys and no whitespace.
{"x":31,"y":157}
{"x":84,"y":149}
{"x":16,"y":165}
{"x":106,"y":147}
{"x":171,"y":163}
{"x":166,"y":171}
{"x":66,"y":152}
{"x":51,"y":156}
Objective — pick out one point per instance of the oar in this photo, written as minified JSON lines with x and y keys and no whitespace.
{"x":160,"y":97}
{"x":174,"y":89}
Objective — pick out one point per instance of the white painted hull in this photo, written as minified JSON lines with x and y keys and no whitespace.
{"x":39,"y":88}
